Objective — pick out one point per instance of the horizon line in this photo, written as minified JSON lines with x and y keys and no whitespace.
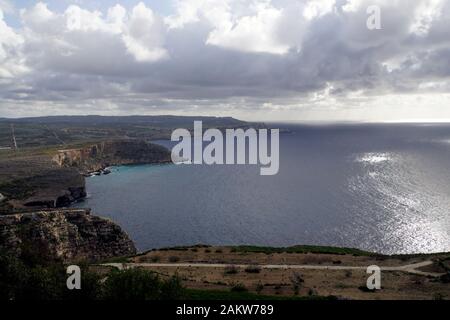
{"x":300,"y":121}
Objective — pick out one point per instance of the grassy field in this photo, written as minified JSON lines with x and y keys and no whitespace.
{"x":304,"y":249}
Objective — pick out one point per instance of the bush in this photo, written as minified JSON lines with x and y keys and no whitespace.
{"x":36,"y":282}
{"x":253,"y":269}
{"x":174,"y":259}
{"x":445,"y":278}
{"x":132,"y":284}
{"x":239,"y":287}
{"x":139,"y":284}
{"x":172,"y":289}
{"x":259,"y":288}
{"x":297,"y":281}
{"x":155,"y":259}
{"x":231,"y":270}
{"x":12,"y":277}
{"x":19,"y":281}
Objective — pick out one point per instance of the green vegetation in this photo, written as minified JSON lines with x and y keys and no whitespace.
{"x":444,"y":263}
{"x":65,"y":130}
{"x":253,"y":269}
{"x":297,"y":281}
{"x":140,"y":284}
{"x":231,"y":270}
{"x":239,"y":287}
{"x":20,"y":280}
{"x":194,"y":294}
{"x":303,"y":249}
{"x":40,"y":280}
{"x":32,"y":280}
{"x":174,"y":259}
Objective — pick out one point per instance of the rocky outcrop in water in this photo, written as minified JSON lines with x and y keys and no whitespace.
{"x":63,"y":235}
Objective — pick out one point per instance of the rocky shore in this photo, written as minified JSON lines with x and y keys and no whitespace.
{"x":57,"y":180}
{"x":63,"y":235}
{"x":97,"y":157}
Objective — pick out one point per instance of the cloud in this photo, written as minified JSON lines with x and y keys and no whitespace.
{"x":6,"y":6}
{"x":144,"y":35}
{"x":11,"y":61}
{"x":234,"y":57}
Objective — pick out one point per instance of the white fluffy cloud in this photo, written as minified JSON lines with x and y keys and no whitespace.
{"x":144,"y":34}
{"x":140,"y":31}
{"x":11,"y":61}
{"x":252,"y":33}
{"x":229,"y":56}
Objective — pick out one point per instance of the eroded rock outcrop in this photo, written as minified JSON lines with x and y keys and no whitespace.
{"x":43,"y":182}
{"x":64,"y":235}
{"x":104,"y":154}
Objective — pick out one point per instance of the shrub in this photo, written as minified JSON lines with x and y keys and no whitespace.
{"x":12,"y":277}
{"x":132,"y":284}
{"x":231,"y":269}
{"x":36,"y":282}
{"x":259,"y":287}
{"x":172,"y":289}
{"x":155,"y":259}
{"x":239,"y":287}
{"x":438,"y":296}
{"x":253,"y":269}
{"x":174,"y":259}
{"x":297,"y":280}
{"x":140,"y":285}
{"x":19,"y":281}
{"x":445,"y":278}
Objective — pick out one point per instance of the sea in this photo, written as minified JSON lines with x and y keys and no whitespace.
{"x":378,"y":187}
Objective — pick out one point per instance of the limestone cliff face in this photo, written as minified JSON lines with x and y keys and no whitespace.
{"x":121,"y":152}
{"x":64,"y":235}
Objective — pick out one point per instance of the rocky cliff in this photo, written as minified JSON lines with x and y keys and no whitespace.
{"x":38,"y":185}
{"x":104,"y":154}
{"x":63,"y":235}
{"x":56,"y":181}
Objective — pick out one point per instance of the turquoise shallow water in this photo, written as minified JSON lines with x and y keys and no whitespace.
{"x":382,"y":188}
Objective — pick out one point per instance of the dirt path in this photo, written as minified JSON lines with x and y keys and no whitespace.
{"x":410,"y":268}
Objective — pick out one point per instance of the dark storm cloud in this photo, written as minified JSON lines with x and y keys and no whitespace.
{"x":236,"y":54}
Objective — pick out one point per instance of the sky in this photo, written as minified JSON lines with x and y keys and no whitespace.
{"x":261,"y":60}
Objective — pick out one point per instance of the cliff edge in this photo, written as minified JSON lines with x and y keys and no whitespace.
{"x":63,"y":235}
{"x":118,"y":152}
{"x":55,"y":179}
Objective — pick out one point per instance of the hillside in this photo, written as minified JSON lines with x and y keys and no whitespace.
{"x":65,"y":130}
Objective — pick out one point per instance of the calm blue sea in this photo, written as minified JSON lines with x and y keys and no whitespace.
{"x":384,"y":188}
